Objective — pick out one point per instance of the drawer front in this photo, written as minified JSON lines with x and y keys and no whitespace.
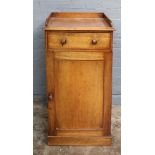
{"x":64,"y":40}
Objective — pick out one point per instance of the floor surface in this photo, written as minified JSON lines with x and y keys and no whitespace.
{"x":40,"y":136}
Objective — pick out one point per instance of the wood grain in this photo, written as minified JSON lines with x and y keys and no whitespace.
{"x":107,"y":93}
{"x":83,"y":82}
{"x":79,"y":55}
{"x":79,"y":40}
{"x":79,"y":132}
{"x":79,"y":78}
{"x":66,"y":140}
{"x":78,"y":21}
{"x":50,"y":89}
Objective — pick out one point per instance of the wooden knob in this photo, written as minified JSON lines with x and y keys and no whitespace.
{"x":50,"y":97}
{"x":63,"y":42}
{"x":94,"y":42}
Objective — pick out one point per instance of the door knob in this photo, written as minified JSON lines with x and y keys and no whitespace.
{"x":94,"y":42}
{"x":63,"y":41}
{"x":50,"y":96}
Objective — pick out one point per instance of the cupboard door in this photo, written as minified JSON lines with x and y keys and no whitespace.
{"x":78,"y":78}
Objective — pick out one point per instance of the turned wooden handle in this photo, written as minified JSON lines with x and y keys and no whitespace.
{"x":94,"y":42}
{"x":50,"y":96}
{"x":63,"y":41}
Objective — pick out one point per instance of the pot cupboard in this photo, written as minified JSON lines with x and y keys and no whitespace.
{"x":79,"y":78}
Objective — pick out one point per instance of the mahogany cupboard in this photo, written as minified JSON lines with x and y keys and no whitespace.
{"x":79,"y":78}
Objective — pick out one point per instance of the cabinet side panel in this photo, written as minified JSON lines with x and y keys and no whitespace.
{"x":107,"y":92}
{"x":79,"y":94}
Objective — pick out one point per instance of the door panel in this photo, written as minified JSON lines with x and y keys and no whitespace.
{"x":79,"y":92}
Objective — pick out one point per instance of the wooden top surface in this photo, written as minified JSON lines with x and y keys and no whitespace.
{"x":78,"y":21}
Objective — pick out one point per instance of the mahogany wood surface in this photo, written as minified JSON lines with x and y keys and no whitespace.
{"x":79,"y":78}
{"x":79,"y":40}
{"x":78,"y":21}
{"x":80,"y":140}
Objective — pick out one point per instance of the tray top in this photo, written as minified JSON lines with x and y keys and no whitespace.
{"x":78,"y":21}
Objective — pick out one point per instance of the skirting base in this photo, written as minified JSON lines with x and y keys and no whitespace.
{"x":65,"y":140}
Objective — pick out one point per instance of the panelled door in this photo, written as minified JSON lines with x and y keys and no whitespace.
{"x":77,"y":92}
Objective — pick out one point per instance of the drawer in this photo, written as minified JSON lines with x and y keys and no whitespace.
{"x":62,"y":40}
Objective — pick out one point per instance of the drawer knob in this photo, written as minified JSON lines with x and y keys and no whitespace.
{"x":94,"y":42}
{"x":50,"y":96}
{"x":63,"y":42}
